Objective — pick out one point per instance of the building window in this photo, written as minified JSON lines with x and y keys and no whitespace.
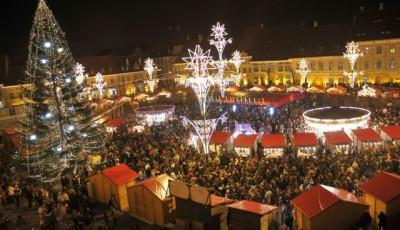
{"x":379,"y":50}
{"x":366,"y":50}
{"x":392,"y":64}
{"x":287,"y":68}
{"x":366,"y":65}
{"x":340,"y":66}
{"x":378,"y":64}
{"x":330,"y":66}
{"x":320,"y":66}
{"x":312,"y":66}
{"x":392,"y":49}
{"x":280,"y":68}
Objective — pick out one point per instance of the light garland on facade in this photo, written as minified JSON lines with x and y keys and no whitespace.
{"x":303,"y":70}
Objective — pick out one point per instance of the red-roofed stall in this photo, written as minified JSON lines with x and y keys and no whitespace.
{"x":196,"y":206}
{"x":382,"y":193}
{"x":366,"y":138}
{"x":273,"y":144}
{"x":305,"y":143}
{"x":338,"y":141}
{"x":113,"y":182}
{"x":115,"y":123}
{"x":247,"y":214}
{"x":245,"y":144}
{"x":391,"y":133}
{"x":325,"y":207}
{"x":220,"y":140}
{"x":149,"y":200}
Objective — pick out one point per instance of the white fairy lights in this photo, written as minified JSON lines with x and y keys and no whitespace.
{"x":303,"y":70}
{"x":237,"y":61}
{"x":150,"y":67}
{"x":79,"y":73}
{"x":100,"y":83}
{"x":352,"y":54}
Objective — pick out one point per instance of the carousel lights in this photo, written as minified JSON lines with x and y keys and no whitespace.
{"x":234,"y":108}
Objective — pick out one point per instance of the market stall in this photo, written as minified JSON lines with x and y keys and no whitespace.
{"x":382,"y":193}
{"x":340,"y":90}
{"x":391,"y":134}
{"x":150,"y":200}
{"x":197,"y":207}
{"x":296,"y":88}
{"x":115,"y":123}
{"x":154,"y":115}
{"x":245,"y":145}
{"x":273,"y":144}
{"x":338,"y":141}
{"x":220,"y":140}
{"x":276,"y":88}
{"x":325,"y":207}
{"x":368,"y":91}
{"x":366,"y":138}
{"x":316,"y":89}
{"x":257,"y":88}
{"x":247,"y":214}
{"x":305,"y":143}
{"x":112,"y":184}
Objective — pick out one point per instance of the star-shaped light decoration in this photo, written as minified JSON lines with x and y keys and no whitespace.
{"x":303,"y":70}
{"x":79,"y":73}
{"x":352,"y":53}
{"x":100,"y":83}
{"x":149,"y":67}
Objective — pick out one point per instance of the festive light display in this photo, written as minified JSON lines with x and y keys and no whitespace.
{"x":79,"y":73}
{"x":303,"y":70}
{"x":52,"y":130}
{"x":150,"y":67}
{"x":352,"y":54}
{"x":100,"y":83}
{"x":237,"y":61}
{"x":204,"y":128}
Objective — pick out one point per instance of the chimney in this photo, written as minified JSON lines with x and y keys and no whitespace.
{"x":381,"y":5}
{"x":315,"y":23}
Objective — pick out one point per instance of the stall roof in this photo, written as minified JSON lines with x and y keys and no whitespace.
{"x":219,"y":200}
{"x":366,"y":135}
{"x":338,"y":138}
{"x":337,"y":90}
{"x":384,"y":186}
{"x":116,"y":122}
{"x":158,"y":185}
{"x":120,"y":174}
{"x":321,"y":197}
{"x":392,"y":131}
{"x":273,"y":140}
{"x":245,"y":141}
{"x":305,"y":139}
{"x":219,"y":137}
{"x":253,"y":207}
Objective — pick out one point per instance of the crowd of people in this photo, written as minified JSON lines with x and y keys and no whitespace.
{"x":165,"y":149}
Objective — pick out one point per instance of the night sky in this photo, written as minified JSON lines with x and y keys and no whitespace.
{"x":95,"y":25}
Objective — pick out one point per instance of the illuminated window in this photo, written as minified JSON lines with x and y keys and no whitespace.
{"x":366,"y":65}
{"x":379,"y":50}
{"x":392,"y":64}
{"x":320,"y":65}
{"x":379,"y":64}
{"x":330,"y":66}
{"x":392,"y":50}
{"x":280,"y":68}
{"x":366,"y":50}
{"x":340,"y":66}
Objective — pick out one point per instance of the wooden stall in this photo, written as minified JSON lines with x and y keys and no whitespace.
{"x":382,"y":193}
{"x":249,"y":215}
{"x":339,"y":90}
{"x":273,"y":144}
{"x":316,"y":89}
{"x":305,"y":143}
{"x":328,"y":208}
{"x":366,"y":138}
{"x":338,"y":141}
{"x":391,"y":134}
{"x":150,"y":200}
{"x":113,"y":183}
{"x":220,"y":140}
{"x":196,"y":208}
{"x":115,"y":123}
{"x":245,"y":144}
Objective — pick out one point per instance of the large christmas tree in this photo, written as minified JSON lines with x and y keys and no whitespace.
{"x":58,"y":126}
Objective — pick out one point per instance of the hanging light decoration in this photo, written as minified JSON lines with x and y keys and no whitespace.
{"x":352,"y":54}
{"x":303,"y":70}
{"x":237,"y":61}
{"x":100,"y":83}
{"x":150,"y":67}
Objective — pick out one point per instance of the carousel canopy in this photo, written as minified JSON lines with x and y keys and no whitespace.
{"x":120,"y":174}
{"x":337,"y":90}
{"x":253,"y":207}
{"x":116,"y":122}
{"x":245,"y":141}
{"x":219,"y":137}
{"x":321,"y":197}
{"x":392,"y":131}
{"x":337,"y":138}
{"x":273,"y":140}
{"x":384,"y":186}
{"x":305,"y":139}
{"x":366,"y":135}
{"x":316,"y":89}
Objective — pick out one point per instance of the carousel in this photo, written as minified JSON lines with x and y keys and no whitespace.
{"x":153,"y":115}
{"x":328,"y":119}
